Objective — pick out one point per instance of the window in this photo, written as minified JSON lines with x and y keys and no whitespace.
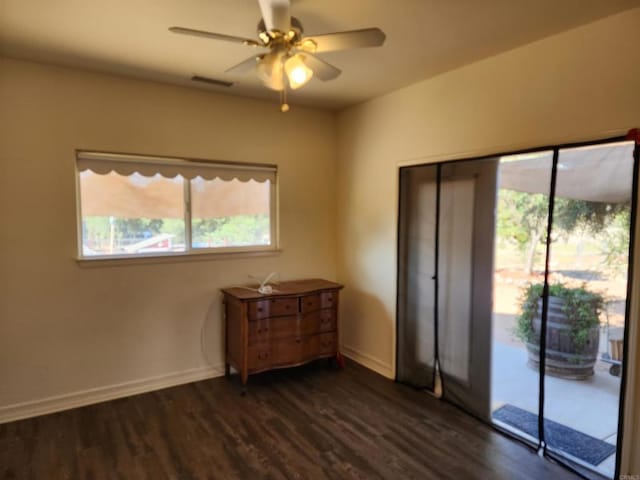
{"x":131,"y":205}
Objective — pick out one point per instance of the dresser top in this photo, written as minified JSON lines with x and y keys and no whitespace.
{"x":295,"y":287}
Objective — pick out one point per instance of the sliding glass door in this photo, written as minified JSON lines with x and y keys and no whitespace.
{"x":514,"y":292}
{"x":588,"y":294}
{"x":416,"y":268}
{"x":561,"y":299}
{"x":444,"y":280}
{"x":464,"y":277}
{"x":523,"y":193}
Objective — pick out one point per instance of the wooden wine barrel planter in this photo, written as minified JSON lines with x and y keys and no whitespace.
{"x":562,"y":358}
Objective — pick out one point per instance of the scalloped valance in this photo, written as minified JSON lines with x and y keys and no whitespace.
{"x":104,"y":163}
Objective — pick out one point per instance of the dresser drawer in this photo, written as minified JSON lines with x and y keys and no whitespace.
{"x":310,"y":303}
{"x":293,"y":351}
{"x":259,"y":357}
{"x":317,"y":322}
{"x":290,"y":351}
{"x":325,"y":344}
{"x":259,"y":331}
{"x":272,"y":307}
{"x":302,"y":349}
{"x":273,"y":328}
{"x":328,"y":299}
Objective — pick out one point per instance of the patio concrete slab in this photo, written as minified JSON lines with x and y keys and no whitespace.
{"x":589,"y":406}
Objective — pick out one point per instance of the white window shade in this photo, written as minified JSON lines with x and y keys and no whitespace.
{"x":107,"y":195}
{"x":104,"y":163}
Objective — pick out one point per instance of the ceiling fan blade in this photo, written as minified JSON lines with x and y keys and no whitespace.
{"x":245,"y":66}
{"x":215,"y":36}
{"x":367,"y":37}
{"x":321,"y":69}
{"x":276,"y":15}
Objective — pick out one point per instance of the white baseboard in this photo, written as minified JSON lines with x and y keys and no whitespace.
{"x":33,"y":408}
{"x":372,"y":363}
{"x":43,"y":406}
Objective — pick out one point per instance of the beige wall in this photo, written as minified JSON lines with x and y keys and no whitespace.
{"x":67,"y":329}
{"x":582,"y":84}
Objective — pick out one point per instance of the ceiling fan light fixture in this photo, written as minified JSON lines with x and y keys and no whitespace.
{"x":270,"y":71}
{"x":308,"y":45}
{"x":297,"y":72}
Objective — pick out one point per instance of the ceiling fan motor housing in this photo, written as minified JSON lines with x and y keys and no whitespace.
{"x":291,"y":37}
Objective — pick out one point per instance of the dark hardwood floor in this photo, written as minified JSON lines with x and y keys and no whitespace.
{"x":311,"y":422}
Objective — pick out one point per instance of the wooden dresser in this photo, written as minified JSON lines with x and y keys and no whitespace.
{"x":296,"y":323}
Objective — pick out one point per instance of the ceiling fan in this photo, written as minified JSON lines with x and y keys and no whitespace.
{"x":290,"y":61}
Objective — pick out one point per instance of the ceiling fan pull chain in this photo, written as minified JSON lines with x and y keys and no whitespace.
{"x":284,"y":106}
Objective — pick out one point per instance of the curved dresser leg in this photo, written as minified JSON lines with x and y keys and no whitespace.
{"x":244,"y":377}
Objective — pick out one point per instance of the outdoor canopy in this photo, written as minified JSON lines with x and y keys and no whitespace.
{"x":604,"y":169}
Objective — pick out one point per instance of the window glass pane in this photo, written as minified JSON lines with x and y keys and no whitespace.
{"x":131,"y":215}
{"x":522,"y":217}
{"x":230,"y":213}
{"x":587,"y":303}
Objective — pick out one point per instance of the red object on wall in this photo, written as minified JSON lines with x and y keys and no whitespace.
{"x":634,"y":134}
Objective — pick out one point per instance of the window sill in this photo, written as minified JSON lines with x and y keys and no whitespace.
{"x":172,"y":258}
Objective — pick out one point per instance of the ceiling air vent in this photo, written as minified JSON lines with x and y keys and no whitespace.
{"x":211,"y":81}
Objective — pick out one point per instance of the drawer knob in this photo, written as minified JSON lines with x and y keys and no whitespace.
{"x":298,"y":340}
{"x":259,"y":309}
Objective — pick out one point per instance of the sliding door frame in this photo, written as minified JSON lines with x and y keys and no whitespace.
{"x":626,"y":355}
{"x":630,"y":358}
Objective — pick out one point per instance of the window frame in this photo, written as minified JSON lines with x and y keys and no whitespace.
{"x":189,"y":250}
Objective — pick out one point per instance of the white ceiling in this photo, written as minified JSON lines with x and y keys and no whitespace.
{"x":424,"y":38}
